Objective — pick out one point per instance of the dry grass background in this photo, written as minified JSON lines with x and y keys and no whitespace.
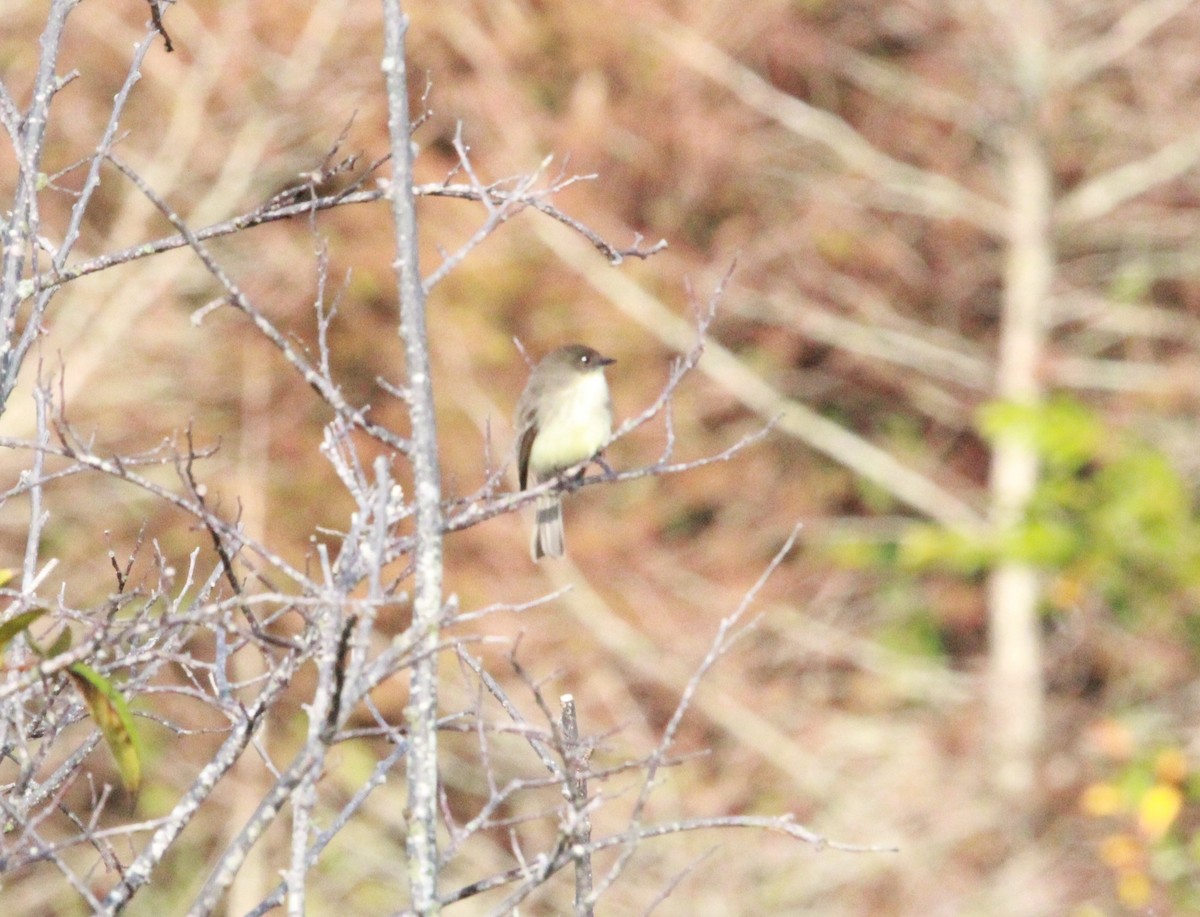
{"x":825,"y":709}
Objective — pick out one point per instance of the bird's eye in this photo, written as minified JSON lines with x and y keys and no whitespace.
{"x":585,"y":358}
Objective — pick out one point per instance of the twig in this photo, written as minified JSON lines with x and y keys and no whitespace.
{"x":156,"y":18}
{"x":579,"y":827}
{"x":324,"y":387}
{"x":288,"y":208}
{"x":139,"y":871}
{"x":726,"y":633}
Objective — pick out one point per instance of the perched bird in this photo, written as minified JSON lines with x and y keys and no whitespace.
{"x":564,"y":416}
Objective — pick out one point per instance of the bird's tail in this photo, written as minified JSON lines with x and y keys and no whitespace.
{"x":549,"y":540}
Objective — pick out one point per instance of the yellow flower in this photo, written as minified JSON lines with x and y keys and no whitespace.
{"x":1158,"y":808}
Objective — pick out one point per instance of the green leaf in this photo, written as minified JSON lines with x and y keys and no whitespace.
{"x":14,"y":626}
{"x":111,"y":713}
{"x":61,"y":644}
{"x":1047,"y":543}
{"x":1063,"y":431}
{"x":928,"y":547}
{"x":6,"y":576}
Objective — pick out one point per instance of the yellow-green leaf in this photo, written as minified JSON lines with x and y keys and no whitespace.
{"x":61,"y":644}
{"x":6,"y":576}
{"x":112,"y":716}
{"x":14,"y":626}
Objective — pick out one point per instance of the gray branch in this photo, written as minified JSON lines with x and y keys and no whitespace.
{"x":422,"y":809}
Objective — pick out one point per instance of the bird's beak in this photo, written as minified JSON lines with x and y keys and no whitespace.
{"x":607,"y":361}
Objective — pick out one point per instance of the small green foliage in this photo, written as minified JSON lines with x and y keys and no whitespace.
{"x":1048,"y":542}
{"x":1109,"y":510}
{"x":1110,"y":515}
{"x":18,"y":624}
{"x":111,"y":714}
{"x":918,"y":635}
{"x":859,"y":554}
{"x":1066,"y":434}
{"x":923,"y":547}
{"x":61,"y":644}
{"x":874,"y":497}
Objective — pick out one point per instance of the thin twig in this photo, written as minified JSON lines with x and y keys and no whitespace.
{"x":575,"y":761}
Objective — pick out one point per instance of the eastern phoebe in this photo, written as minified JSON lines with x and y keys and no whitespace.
{"x":563,"y":418}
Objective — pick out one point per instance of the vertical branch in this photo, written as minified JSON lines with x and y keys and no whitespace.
{"x":427,"y":586}
{"x":1015,"y":669}
{"x":18,"y":237}
{"x":575,"y":761}
{"x":37,"y":518}
{"x":320,"y":736}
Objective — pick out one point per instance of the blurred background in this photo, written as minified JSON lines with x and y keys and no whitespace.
{"x":966,"y":291}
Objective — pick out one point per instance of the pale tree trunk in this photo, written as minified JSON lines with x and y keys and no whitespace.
{"x":1015,"y":664}
{"x":421,"y":841}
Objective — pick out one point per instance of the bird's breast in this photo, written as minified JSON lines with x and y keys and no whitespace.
{"x":574,"y":426}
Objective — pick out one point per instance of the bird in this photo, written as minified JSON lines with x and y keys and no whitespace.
{"x":563,"y":418}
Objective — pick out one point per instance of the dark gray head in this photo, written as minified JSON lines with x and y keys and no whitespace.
{"x":573,"y":358}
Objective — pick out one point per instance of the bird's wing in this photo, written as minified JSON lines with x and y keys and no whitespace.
{"x":528,"y":435}
{"x":527,"y":430}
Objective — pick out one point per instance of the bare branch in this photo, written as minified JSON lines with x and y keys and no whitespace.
{"x":139,"y":871}
{"x":910,"y":187}
{"x":1139,"y":22}
{"x":575,"y":758}
{"x":1099,"y":196}
{"x":20,"y":232}
{"x":421,"y":714}
{"x":324,"y":386}
{"x":727,"y":633}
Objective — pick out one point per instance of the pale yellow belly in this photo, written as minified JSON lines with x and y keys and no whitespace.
{"x":563,"y":443}
{"x":575,"y":429}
